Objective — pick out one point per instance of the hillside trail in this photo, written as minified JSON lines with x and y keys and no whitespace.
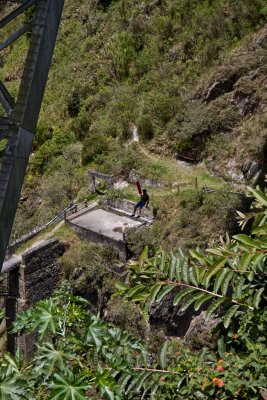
{"x":173,"y":172}
{"x":48,"y":235}
{"x":176,"y":166}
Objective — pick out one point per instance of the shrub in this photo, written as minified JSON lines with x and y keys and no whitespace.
{"x":63,"y":178}
{"x":191,"y":199}
{"x":93,"y":147}
{"x":192,"y":125}
{"x":137,"y":239}
{"x":44,"y":132}
{"x":120,"y":160}
{"x":114,"y":194}
{"x":122,"y":54}
{"x":126,"y":317}
{"x":145,"y":128}
{"x":131,"y":159}
{"x":51,"y":148}
{"x":74,"y":103}
{"x":85,"y":266}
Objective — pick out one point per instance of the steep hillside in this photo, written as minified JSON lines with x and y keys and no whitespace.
{"x":173,"y":90}
{"x":190,"y":76}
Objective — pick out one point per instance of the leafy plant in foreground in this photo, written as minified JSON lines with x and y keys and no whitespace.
{"x":76,"y":354}
{"x":80,"y":357}
{"x":228,"y":280}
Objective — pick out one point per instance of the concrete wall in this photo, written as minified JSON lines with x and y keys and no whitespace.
{"x":145,"y":182}
{"x":96,"y":237}
{"x":34,"y":278}
{"x":126,"y":205}
{"x":92,"y":175}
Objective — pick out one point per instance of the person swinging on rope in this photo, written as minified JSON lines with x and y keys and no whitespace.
{"x":144,"y":201}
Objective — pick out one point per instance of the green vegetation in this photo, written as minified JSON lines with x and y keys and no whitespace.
{"x":79,"y":356}
{"x":121,"y":65}
{"x":188,"y":77}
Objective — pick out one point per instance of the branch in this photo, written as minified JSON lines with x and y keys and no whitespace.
{"x":205,"y":291}
{"x":161,"y":371}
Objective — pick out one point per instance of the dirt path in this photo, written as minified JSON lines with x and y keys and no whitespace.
{"x":47,"y":235}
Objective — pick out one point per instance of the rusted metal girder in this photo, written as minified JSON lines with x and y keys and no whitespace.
{"x":22,"y":114}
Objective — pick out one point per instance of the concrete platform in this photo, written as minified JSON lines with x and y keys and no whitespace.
{"x":104,"y":227}
{"x":106,"y":223}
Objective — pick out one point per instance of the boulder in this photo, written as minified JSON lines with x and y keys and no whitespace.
{"x":251,"y":170}
{"x":164,"y":315}
{"x":199,"y":331}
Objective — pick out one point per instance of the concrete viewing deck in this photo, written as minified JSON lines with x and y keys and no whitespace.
{"x":101,"y":226}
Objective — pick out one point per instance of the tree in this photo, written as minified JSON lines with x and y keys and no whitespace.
{"x":229,"y":280}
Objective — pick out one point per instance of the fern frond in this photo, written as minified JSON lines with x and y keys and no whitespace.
{"x":202,"y":299}
{"x":214,"y":306}
{"x":229,"y":315}
{"x":226,"y":281}
{"x":183,"y":293}
{"x":164,"y":291}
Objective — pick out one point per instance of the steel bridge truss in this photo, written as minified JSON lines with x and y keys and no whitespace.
{"x":20,"y":115}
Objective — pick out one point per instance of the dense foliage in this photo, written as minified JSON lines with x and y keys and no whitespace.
{"x":79,"y":357}
{"x":186,"y":76}
{"x":229,"y":280}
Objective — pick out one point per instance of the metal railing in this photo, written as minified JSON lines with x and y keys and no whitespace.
{"x":74,"y":208}
{"x":62,"y":215}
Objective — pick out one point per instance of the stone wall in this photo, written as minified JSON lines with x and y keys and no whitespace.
{"x":41,"y":271}
{"x":92,"y":175}
{"x":34,"y":278}
{"x":145,"y":182}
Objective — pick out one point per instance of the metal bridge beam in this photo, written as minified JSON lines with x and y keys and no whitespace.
{"x":6,"y":99}
{"x":26,"y":112}
{"x":16,"y":12}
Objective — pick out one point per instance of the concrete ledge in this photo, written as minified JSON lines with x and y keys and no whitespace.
{"x":83,"y":211}
{"x":12,"y":263}
{"x":103,"y":227}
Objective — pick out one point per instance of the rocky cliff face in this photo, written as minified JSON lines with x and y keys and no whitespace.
{"x":236,"y":94}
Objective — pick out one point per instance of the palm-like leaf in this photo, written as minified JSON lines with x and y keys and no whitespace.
{"x":11,"y":388}
{"x":95,"y":332}
{"x":49,"y":359}
{"x":68,"y":387}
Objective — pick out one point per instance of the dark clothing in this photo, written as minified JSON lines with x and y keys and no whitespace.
{"x":140,"y":204}
{"x":144,"y":198}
